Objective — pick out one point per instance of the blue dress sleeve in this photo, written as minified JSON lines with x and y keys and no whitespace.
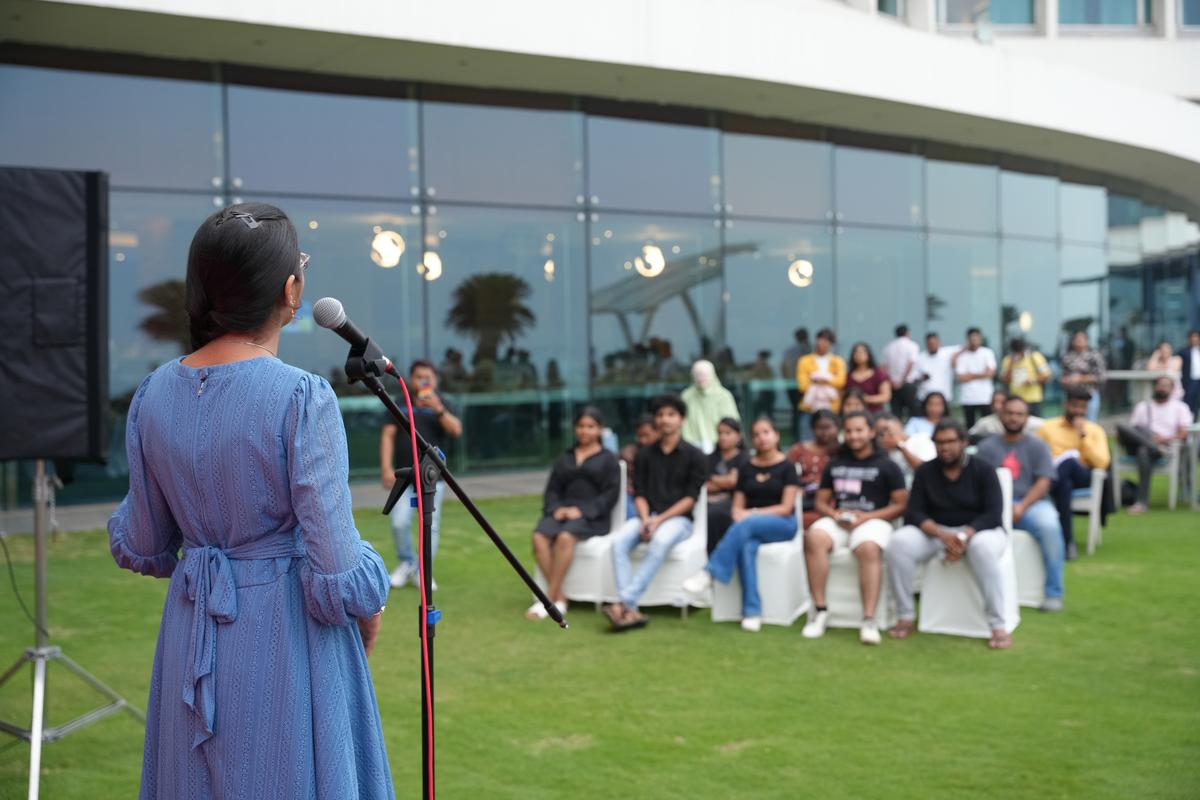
{"x":142,"y":533}
{"x":344,"y":578}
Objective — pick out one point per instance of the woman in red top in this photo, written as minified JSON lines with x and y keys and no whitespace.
{"x":811,"y":457}
{"x":868,"y":378}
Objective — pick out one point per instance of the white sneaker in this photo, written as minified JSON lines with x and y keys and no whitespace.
{"x":869,"y":632}
{"x":536,"y":611}
{"x":402,"y":574}
{"x":815,"y":628}
{"x":752,"y":624}
{"x":561,"y":605}
{"x":698,"y":584}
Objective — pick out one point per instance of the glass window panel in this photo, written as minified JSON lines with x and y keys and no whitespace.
{"x":962,"y":196}
{"x":1011,"y":12}
{"x":894,"y":8}
{"x":145,"y":132}
{"x":1028,"y":296}
{"x":509,"y":155}
{"x":1191,"y":12}
{"x":877,"y":187}
{"x":1098,"y":12}
{"x":1028,"y":204}
{"x":1129,"y":329}
{"x":652,"y":166}
{"x":767,"y":176}
{"x":880,"y":283}
{"x":1083,"y":213}
{"x":511,"y":299}
{"x":282,"y":141}
{"x":963,"y":283}
{"x":1083,"y":281}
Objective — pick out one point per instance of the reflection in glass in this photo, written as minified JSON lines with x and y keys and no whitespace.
{"x":880,"y":283}
{"x":1028,"y":205}
{"x":1028,"y":292}
{"x":963,"y":282}
{"x":1191,"y":12}
{"x":508,"y":155}
{"x":1128,"y":332}
{"x":1098,"y":12}
{"x":283,"y":141}
{"x":877,"y":187}
{"x":767,"y":176}
{"x":1083,"y":213}
{"x":998,"y":12}
{"x":894,"y":8}
{"x":652,"y":166}
{"x":962,"y":197}
{"x":145,"y":132}
{"x":1083,"y":281}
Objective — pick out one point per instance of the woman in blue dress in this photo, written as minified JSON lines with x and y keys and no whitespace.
{"x":238,"y":494}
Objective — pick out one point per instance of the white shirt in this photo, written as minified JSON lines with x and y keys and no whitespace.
{"x":897,"y":355}
{"x":940,"y":375}
{"x":972,"y":362}
{"x":1195,"y":371}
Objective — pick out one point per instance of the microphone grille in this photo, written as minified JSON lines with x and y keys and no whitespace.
{"x":328,"y":312}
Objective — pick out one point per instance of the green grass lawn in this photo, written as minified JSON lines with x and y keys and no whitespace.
{"x":1100,"y":701}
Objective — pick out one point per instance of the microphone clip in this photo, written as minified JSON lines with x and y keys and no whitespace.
{"x":366,"y":359}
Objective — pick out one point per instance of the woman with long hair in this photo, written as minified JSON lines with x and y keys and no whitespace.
{"x":867,"y":377}
{"x":933,"y":408}
{"x":811,"y":457}
{"x":582,"y":489}
{"x":238,"y":492}
{"x":723,"y":464}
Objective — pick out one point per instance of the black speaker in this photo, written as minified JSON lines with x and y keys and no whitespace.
{"x":53,"y":314}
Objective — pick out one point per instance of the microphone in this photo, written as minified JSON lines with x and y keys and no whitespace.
{"x":329,"y":313}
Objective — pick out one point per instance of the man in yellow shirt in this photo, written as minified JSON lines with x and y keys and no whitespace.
{"x":1024,"y":372}
{"x":1077,"y":447}
{"x":821,"y":375}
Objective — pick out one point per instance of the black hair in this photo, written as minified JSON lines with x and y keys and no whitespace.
{"x":644,"y":420}
{"x":885,"y":416}
{"x":825,"y":413}
{"x":419,"y":363}
{"x":951,"y":424}
{"x":766,"y":419}
{"x":973,"y":329}
{"x":925,"y":403}
{"x":932,"y":335}
{"x":591,"y":412}
{"x":800,"y":334}
{"x":1078,"y":393}
{"x":854,"y":393}
{"x":731,"y":423}
{"x":827,"y":334}
{"x":859,"y":415}
{"x":1017,"y":345}
{"x":668,"y":400}
{"x":870,"y":355}
{"x":1010,"y":398}
{"x":238,"y":263}
{"x":1193,"y":331}
{"x":901,"y":330}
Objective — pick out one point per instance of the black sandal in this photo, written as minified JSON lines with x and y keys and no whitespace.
{"x":631,"y":620}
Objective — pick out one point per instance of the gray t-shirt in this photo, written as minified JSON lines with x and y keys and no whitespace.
{"x":1027,"y":459}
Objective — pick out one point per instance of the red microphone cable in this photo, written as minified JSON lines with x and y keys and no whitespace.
{"x":416,"y":486}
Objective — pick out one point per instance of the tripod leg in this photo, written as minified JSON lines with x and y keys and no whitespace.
{"x":35,"y":728}
{"x":101,"y":687}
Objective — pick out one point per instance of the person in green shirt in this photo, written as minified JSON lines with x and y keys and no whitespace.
{"x":1024,"y":372}
{"x":708,"y":402}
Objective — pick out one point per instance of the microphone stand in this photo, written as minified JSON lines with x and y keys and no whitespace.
{"x":366,"y":363}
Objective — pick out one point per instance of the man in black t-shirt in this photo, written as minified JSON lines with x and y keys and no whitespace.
{"x":437,"y":424}
{"x":861,"y":492}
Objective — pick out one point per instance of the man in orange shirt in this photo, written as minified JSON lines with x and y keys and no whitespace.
{"x":1077,"y":447}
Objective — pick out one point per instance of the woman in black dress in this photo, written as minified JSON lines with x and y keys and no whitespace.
{"x":723,"y":463}
{"x":580,"y":493}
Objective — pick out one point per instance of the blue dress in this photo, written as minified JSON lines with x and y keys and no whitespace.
{"x":260,"y":686}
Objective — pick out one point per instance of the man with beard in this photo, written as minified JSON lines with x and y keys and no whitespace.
{"x":954,"y":511}
{"x":1077,"y":446}
{"x":1028,"y":459}
{"x":1154,"y":425}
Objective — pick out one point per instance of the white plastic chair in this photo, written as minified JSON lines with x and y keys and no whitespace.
{"x":951,"y":602}
{"x":1031,"y":571}
{"x":1171,"y":463}
{"x":843,"y":593}
{"x":684,"y":560}
{"x":1090,"y":501}
{"x":585,"y":578}
{"x":782,"y":581}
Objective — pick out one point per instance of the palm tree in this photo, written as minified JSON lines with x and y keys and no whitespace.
{"x":169,"y":321}
{"x":488,"y":308}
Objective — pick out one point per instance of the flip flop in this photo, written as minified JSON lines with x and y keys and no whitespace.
{"x":631,"y":620}
{"x":614,"y":616}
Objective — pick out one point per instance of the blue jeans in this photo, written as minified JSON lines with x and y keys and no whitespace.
{"x":630,"y":585}
{"x":1072,"y":475}
{"x":1041,"y":522}
{"x":739,"y":547}
{"x":402,"y":514}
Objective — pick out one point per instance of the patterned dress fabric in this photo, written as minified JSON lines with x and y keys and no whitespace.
{"x":238,"y":494}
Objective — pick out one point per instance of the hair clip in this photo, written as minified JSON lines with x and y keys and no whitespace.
{"x":249,"y":219}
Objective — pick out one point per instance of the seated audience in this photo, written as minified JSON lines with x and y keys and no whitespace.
{"x":1154,"y":425}
{"x":1190,"y":362}
{"x":954,"y":510}
{"x":933,"y":410}
{"x":854,"y":402}
{"x":907,"y":452}
{"x":811,"y":457}
{"x":1028,"y":459}
{"x":868,"y":378}
{"x":708,"y":402}
{"x":1024,"y":371}
{"x":583,"y":486}
{"x":861,"y":492}
{"x":646,"y":434}
{"x":1163,"y":359}
{"x":723,"y":464}
{"x":1077,"y":446}
{"x":667,"y":479}
{"x":821,"y":375}
{"x":764,"y":511}
{"x":992,"y":424}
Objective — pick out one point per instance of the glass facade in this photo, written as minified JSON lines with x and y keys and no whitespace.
{"x":997,"y":12}
{"x":546,"y":256}
{"x":1191,"y":12}
{"x":1102,"y":12}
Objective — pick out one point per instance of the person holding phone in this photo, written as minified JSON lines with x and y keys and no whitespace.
{"x":437,"y":424}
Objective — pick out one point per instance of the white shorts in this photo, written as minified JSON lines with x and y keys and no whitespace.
{"x":873,"y":530}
